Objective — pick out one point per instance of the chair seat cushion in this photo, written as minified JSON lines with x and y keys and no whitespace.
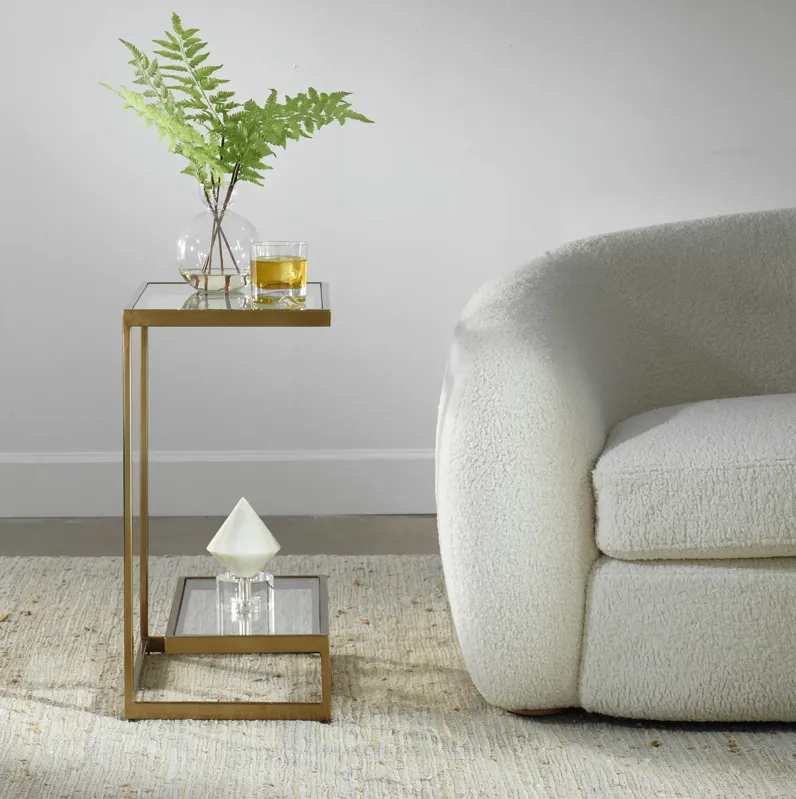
{"x":714,"y":479}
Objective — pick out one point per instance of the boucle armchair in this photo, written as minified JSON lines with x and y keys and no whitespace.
{"x":617,"y":531}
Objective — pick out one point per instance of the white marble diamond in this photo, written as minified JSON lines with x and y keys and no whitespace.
{"x":243,"y":544}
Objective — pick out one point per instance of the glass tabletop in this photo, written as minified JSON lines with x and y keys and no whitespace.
{"x":299,"y":607}
{"x":181,"y":296}
{"x":173,"y":304}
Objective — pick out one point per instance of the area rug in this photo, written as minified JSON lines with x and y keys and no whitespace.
{"x":408,"y":722}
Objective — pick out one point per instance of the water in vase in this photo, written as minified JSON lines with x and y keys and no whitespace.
{"x":215,"y":281}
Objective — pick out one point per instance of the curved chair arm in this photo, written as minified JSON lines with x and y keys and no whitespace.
{"x":520,"y":426}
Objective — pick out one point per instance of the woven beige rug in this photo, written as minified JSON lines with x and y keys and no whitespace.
{"x":408,"y":722}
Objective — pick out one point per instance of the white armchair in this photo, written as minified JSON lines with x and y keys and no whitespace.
{"x":544,"y":364}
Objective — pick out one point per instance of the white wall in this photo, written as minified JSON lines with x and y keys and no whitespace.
{"x":504,"y":127}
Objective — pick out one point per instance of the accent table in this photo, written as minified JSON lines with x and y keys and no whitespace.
{"x":195,"y":625}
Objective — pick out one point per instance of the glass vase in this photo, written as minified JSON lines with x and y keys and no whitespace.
{"x":213,"y":250}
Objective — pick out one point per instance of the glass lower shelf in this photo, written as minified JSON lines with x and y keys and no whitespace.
{"x":298,"y":606}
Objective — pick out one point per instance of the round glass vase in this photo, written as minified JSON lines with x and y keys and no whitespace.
{"x":213,"y":250}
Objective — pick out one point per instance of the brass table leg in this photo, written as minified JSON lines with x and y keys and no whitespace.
{"x":127,"y":470}
{"x":143,"y":485}
{"x":326,"y":682}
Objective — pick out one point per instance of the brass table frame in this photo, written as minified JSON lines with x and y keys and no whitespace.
{"x":137,"y":647}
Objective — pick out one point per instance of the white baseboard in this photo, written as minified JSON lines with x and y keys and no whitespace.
{"x":313,"y":483}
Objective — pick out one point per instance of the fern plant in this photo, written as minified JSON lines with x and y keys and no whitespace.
{"x":223,"y":141}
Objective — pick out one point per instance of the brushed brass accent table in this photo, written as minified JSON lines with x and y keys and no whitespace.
{"x":299,"y":619}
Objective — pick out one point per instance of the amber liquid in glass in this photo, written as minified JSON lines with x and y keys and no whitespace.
{"x":279,"y":276}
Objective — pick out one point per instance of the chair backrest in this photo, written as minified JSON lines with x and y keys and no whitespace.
{"x":680,"y":312}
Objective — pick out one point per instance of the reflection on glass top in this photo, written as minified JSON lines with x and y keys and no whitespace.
{"x":180,"y":296}
{"x":298,"y":608}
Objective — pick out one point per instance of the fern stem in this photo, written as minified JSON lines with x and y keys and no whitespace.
{"x":218,"y":230}
{"x":214,"y":234}
{"x":219,"y":217}
{"x":209,"y":257}
{"x":226,"y":241}
{"x":221,"y":252}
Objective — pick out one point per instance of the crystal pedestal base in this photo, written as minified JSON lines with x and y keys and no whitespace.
{"x":245,"y":596}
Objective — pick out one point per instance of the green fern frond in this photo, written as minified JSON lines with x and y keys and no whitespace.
{"x":168,"y":44}
{"x":190,"y":50}
{"x":183,"y":99}
{"x":165,"y":122}
{"x":180,"y":137}
{"x":358,"y":117}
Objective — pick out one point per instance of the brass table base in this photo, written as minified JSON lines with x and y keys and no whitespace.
{"x":140,"y":644}
{"x":162,"y":646}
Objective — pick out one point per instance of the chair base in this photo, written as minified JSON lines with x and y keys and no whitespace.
{"x":547,"y":711}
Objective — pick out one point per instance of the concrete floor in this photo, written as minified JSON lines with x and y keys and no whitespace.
{"x":189,"y":535}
